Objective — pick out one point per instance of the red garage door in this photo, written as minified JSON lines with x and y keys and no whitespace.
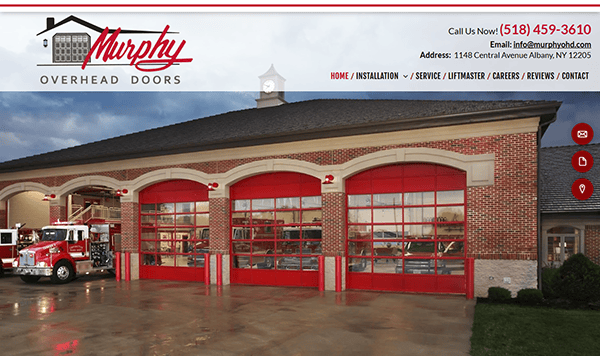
{"x":174,"y":231}
{"x":407,"y":229}
{"x":276,"y":230}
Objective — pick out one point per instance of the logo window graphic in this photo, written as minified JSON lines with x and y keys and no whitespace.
{"x":70,"y":47}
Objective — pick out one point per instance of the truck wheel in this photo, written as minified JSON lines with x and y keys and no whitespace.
{"x":30,"y":279}
{"x":62,"y":273}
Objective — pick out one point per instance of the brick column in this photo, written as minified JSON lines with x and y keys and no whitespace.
{"x":334,"y":223}
{"x":334,"y":235}
{"x":3,"y":215}
{"x":58,"y":210}
{"x":219,"y":224}
{"x":220,"y":228}
{"x":592,"y":243}
{"x":130,"y":214}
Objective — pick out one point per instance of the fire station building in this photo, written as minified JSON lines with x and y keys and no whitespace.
{"x":402,"y":195}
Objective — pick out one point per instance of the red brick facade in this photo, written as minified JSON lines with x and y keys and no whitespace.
{"x":334,"y":224}
{"x":220,"y":225}
{"x":130,"y":213}
{"x":502,"y":219}
{"x":3,"y":219}
{"x":592,"y":243}
{"x":58,"y":212}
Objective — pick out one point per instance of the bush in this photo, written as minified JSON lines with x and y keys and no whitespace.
{"x":549,"y":282}
{"x":530,"y":296}
{"x":498,"y":294}
{"x":579,"y":280}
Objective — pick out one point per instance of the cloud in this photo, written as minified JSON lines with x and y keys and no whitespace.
{"x":60,"y":143}
{"x":11,"y":139}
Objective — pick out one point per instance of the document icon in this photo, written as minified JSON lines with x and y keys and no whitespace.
{"x":582,"y":162}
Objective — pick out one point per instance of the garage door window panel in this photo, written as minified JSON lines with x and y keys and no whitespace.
{"x":419,"y":215}
{"x":359,"y":232}
{"x":419,"y":231}
{"x":394,"y":199}
{"x":166,"y":220}
{"x":387,"y":265}
{"x":360,"y":248}
{"x":450,"y":213}
{"x":450,"y":231}
{"x":387,"y":248}
{"x":452,"y":249}
{"x":148,"y":208}
{"x":288,"y":203}
{"x":419,"y":198}
{"x":362,"y":265}
{"x":359,"y":200}
{"x":288,"y":217}
{"x":358,"y":216}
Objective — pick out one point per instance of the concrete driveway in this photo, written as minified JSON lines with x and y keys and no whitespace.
{"x":95,"y":315}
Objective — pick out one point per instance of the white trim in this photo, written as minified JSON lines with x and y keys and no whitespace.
{"x":17,"y":188}
{"x":479,"y":169}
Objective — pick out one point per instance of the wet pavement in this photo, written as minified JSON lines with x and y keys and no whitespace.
{"x":95,"y":315}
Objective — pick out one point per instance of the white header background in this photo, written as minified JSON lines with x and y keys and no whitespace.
{"x":230,"y":50}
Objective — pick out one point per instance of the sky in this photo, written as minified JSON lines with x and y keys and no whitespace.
{"x":33,"y":123}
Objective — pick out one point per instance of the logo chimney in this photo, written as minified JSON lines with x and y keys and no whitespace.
{"x":49,"y":22}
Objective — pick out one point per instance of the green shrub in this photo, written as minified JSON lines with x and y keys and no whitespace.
{"x":549,"y":282}
{"x":498,"y":294}
{"x":530,"y":296}
{"x":579,"y":280}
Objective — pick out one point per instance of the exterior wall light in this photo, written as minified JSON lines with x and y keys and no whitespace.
{"x":328,"y":179}
{"x":212,"y":186}
{"x":120,"y":192}
{"x":45,"y":43}
{"x":48,"y":197}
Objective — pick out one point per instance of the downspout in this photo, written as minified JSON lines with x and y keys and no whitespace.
{"x":539,"y":210}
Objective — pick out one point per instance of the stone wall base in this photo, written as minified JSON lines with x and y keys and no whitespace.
{"x":135,"y":266}
{"x":226,"y":270}
{"x":513,"y":275}
{"x":330,"y":273}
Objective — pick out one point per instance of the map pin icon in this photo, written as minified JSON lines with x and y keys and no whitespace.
{"x":582,"y":188}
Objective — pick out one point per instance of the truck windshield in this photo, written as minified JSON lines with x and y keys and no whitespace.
{"x":291,"y":234}
{"x":54,"y":235}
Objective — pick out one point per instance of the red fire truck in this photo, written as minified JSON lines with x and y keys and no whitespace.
{"x":66,"y":250}
{"x":8,"y":248}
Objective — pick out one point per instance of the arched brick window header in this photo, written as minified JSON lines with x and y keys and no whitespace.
{"x":179,"y":190}
{"x":276,"y":185}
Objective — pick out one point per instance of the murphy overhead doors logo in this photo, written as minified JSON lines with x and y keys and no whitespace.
{"x":75,"y":42}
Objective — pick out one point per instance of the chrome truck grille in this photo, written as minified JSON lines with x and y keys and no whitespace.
{"x":27,"y":259}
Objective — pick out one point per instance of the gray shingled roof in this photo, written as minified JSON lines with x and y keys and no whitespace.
{"x":289,"y":122}
{"x":557,"y":176}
